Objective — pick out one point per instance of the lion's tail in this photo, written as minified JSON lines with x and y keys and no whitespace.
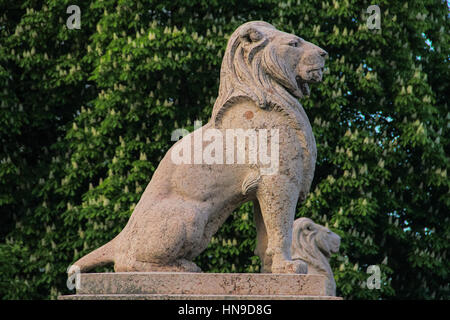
{"x":97,"y":258}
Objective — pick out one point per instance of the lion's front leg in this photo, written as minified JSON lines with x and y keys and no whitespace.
{"x":261,"y":238}
{"x":278,"y":199}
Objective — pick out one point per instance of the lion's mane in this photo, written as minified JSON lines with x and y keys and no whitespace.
{"x":245,"y":76}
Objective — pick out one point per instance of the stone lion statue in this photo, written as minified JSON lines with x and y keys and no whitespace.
{"x":264,"y":72}
{"x":314,"y":244}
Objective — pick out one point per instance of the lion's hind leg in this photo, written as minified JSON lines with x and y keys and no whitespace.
{"x":163,"y":235}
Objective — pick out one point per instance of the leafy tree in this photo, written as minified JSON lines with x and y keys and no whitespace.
{"x":87,"y":114}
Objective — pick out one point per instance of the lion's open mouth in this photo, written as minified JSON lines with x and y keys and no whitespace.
{"x":313,"y":76}
{"x":326,"y":253}
{"x":303,"y":86}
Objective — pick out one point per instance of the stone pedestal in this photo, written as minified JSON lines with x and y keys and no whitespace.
{"x":199,"y":286}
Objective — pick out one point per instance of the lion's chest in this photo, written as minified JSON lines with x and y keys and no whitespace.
{"x":212,"y":163}
{"x":287,"y":137}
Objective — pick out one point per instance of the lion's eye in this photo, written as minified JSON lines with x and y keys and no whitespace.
{"x":294,"y":44}
{"x":309,"y":228}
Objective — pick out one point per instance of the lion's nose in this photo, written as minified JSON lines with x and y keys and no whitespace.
{"x":323,"y":53}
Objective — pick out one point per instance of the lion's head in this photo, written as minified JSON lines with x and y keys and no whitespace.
{"x":270,"y":67}
{"x":314,"y":244}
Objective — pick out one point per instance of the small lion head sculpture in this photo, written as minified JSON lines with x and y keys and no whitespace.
{"x":267,"y":66}
{"x":314,"y":244}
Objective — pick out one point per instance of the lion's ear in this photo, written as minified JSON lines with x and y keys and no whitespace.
{"x":250,"y":34}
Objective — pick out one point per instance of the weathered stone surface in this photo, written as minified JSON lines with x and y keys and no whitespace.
{"x":314,"y":244}
{"x":201,"y":283}
{"x":264,"y":73}
{"x":191,"y":286}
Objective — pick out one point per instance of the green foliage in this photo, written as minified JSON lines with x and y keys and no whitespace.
{"x":86,"y":116}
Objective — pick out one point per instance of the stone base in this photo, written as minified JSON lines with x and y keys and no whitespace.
{"x":199,"y":286}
